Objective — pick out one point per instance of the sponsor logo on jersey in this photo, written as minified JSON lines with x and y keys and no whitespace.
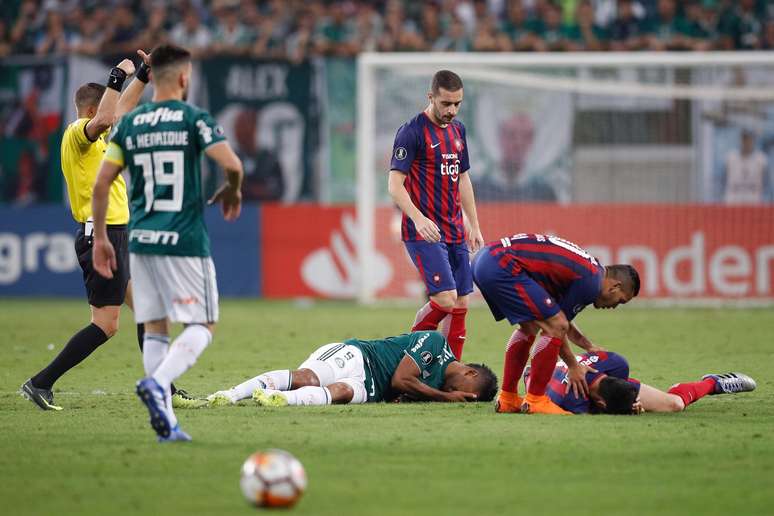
{"x":162,"y":114}
{"x":419,"y":343}
{"x":400,"y":153}
{"x":451,"y":169}
{"x":427,"y":357}
{"x":149,"y":236}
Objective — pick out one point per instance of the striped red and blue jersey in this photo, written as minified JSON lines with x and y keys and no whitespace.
{"x":606,"y":363}
{"x":432,"y":157}
{"x":567,"y":272}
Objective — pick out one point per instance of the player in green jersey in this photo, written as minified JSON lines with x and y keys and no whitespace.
{"x":160,"y":143}
{"x":416,"y":366}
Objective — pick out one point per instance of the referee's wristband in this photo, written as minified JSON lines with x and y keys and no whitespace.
{"x":116,"y":79}
{"x":142,"y":73}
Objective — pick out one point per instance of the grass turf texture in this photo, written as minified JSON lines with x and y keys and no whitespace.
{"x":99,"y":456}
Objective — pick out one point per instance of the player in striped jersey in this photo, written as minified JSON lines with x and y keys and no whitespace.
{"x":613,"y":391}
{"x":541,"y":282}
{"x":429,"y":182}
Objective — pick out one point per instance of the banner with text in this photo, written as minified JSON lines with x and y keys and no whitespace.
{"x":37,"y":257}
{"x":269,"y":111}
{"x":681,"y":252}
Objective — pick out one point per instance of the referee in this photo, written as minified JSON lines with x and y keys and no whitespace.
{"x":83,"y":145}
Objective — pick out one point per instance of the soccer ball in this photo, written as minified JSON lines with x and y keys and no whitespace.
{"x":272,"y":478}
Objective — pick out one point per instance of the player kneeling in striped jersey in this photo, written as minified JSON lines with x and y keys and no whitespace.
{"x":418,"y":366}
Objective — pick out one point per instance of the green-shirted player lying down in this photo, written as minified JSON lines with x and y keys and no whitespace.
{"x":418,"y":366}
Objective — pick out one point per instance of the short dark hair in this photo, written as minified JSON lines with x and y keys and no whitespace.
{"x":487,"y":382}
{"x":89,"y":95}
{"x":627,"y":275}
{"x":619,"y":395}
{"x":447,"y":80}
{"x":168,"y":55}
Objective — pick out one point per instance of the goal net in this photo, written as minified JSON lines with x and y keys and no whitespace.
{"x":662,"y":160}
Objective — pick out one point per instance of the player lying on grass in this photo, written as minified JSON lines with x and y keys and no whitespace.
{"x":418,"y":365}
{"x":612,"y":391}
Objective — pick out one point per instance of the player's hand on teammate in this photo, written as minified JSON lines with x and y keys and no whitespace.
{"x":457,"y":396}
{"x":577,"y":378}
{"x":427,"y":229}
{"x":127,"y":66}
{"x":230,"y":199}
{"x":103,"y":257}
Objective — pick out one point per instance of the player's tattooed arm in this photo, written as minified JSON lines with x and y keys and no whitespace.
{"x":427,"y":229}
{"x":406,"y":381}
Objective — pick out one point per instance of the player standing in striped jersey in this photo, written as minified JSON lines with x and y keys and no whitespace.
{"x":541,"y":282}
{"x":430,"y":184}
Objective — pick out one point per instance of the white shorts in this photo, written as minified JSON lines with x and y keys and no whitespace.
{"x":179,"y":288}
{"x":339,"y":362}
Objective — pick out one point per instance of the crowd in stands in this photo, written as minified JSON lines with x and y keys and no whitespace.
{"x":297,"y":29}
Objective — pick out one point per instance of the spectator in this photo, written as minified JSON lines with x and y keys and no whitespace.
{"x":230,"y":36}
{"x":455,"y":39}
{"x":156,"y":29}
{"x":191,"y":34}
{"x":627,"y":32}
{"x":52,"y":38}
{"x":25,"y":30}
{"x":749,"y":26}
{"x":125,"y":29}
{"x":487,"y":38}
{"x":430,"y":23}
{"x":700,"y":31}
{"x":521,"y":30}
{"x":302,"y":42}
{"x":667,"y":31}
{"x":90,"y":37}
{"x":586,"y":32}
{"x":368,"y":28}
{"x":337,"y":32}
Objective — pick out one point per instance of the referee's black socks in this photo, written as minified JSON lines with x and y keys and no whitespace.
{"x":80,"y":346}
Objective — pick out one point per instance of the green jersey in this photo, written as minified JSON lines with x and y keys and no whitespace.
{"x":428,"y":349}
{"x":160,"y":143}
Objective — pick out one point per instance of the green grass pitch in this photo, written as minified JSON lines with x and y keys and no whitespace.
{"x":99,"y":456}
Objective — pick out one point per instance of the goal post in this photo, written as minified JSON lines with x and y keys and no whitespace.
{"x":642,"y":139}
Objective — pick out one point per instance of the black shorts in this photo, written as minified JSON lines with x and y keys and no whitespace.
{"x":102,"y":291}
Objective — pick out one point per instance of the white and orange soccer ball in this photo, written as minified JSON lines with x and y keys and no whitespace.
{"x":272,"y":478}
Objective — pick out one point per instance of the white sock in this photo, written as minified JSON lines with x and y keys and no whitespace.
{"x":182,"y":354}
{"x":154,"y":349}
{"x":308,"y":396}
{"x":275,"y":380}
